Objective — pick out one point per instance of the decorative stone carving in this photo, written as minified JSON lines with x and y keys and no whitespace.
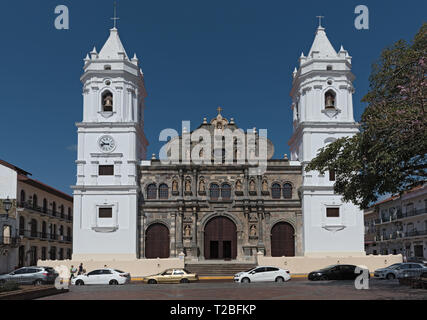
{"x":253,"y":233}
{"x":252,"y":187}
{"x":253,"y":217}
{"x":175,"y":187}
{"x":202,"y":187}
{"x":239,"y":188}
{"x":188,"y":186}
{"x":265,"y":188}
{"x":187,"y":231}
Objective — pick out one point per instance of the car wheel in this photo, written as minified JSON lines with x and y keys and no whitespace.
{"x":80,"y":283}
{"x":152,"y":281}
{"x":113,"y":283}
{"x":324,"y":278}
{"x":246,"y":280}
{"x":280,"y":279}
{"x":391,"y":276}
{"x":38,"y":282}
{"x":184,"y":281}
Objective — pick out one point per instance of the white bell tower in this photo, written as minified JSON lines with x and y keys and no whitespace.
{"x":111,"y":144}
{"x":322,"y":103}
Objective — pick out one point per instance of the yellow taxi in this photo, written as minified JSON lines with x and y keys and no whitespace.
{"x":172,"y":276}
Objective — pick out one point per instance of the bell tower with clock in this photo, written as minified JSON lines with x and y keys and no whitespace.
{"x":111,"y":144}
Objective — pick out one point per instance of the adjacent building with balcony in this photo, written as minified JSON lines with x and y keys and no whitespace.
{"x":398,"y":225}
{"x":43,"y":219}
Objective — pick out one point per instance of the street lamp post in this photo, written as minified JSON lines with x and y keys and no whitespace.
{"x":7,"y":204}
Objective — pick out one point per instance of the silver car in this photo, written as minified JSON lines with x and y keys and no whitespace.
{"x":388,"y":273}
{"x":30,"y":275}
{"x":410,"y":270}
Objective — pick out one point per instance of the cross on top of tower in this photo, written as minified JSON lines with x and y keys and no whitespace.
{"x":219,"y":109}
{"x":320,"y":20}
{"x":115,"y":18}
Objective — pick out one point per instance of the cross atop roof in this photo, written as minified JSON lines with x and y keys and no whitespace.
{"x":219,"y":109}
{"x":115,"y":18}
{"x":320,"y":20}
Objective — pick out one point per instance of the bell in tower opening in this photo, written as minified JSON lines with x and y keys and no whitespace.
{"x":107,"y":102}
{"x":330,"y":100}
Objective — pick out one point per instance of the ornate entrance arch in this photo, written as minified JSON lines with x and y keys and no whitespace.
{"x":157,"y":241}
{"x":220,"y":239}
{"x":282,"y":240}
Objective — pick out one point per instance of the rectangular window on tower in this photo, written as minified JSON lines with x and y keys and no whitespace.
{"x":105,"y":213}
{"x":332,"y":212}
{"x":106,"y":170}
{"x":331,"y":175}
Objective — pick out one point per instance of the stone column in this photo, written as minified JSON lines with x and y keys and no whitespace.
{"x":143,"y":220}
{"x":179,"y":244}
{"x":260,"y":228}
{"x":173,"y":235}
{"x":195,"y":183}
{"x":194,"y":234}
{"x":246,"y":184}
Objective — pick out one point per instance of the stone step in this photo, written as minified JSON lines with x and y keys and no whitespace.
{"x":217,"y":269}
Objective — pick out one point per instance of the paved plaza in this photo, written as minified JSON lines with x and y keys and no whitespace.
{"x":297,"y":289}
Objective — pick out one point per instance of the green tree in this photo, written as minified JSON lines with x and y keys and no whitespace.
{"x":389,"y":155}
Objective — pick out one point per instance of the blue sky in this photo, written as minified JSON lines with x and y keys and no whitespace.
{"x":195,"y":55}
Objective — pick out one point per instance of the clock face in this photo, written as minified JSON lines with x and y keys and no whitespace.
{"x":107,"y":144}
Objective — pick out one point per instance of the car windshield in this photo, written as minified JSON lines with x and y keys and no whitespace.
{"x":250,"y":270}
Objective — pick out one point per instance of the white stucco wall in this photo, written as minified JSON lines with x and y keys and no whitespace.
{"x":8,"y":183}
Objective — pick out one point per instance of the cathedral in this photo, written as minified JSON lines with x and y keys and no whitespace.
{"x":127,"y":207}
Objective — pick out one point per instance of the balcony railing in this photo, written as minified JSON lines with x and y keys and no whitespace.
{"x":44,"y":236}
{"x":400,"y":215}
{"x":46,"y":211}
{"x":415,"y":233}
{"x":10,"y":241}
{"x":400,"y":235}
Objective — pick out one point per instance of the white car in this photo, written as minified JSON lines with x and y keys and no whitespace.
{"x":263,"y":274}
{"x":102,"y":276}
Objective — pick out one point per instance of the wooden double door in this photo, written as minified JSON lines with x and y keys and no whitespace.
{"x":282,"y":240}
{"x":220,"y":239}
{"x":157,"y":242}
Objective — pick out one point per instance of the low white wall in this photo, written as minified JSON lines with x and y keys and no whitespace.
{"x":304,"y":265}
{"x":137,"y":268}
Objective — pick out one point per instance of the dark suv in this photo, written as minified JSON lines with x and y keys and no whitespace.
{"x":31,"y":275}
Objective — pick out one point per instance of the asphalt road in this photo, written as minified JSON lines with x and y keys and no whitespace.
{"x":298,"y":289}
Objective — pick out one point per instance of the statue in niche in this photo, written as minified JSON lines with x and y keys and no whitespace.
{"x":265,"y":186}
{"x":202,"y":187}
{"x":188,"y":186}
{"x":252,"y":186}
{"x":175,"y":186}
{"x":253,"y":232}
{"x":238,"y":186}
{"x":187,"y":231}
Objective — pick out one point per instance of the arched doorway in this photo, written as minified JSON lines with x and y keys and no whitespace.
{"x":220,"y":239}
{"x":157,"y":242}
{"x":282,"y":240}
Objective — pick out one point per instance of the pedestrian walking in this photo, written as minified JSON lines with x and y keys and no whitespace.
{"x":81,"y":270}
{"x":73,"y":271}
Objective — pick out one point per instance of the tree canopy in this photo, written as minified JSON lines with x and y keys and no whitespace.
{"x":389,"y":153}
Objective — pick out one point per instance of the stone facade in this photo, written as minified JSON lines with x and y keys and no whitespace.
{"x":189,"y":205}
